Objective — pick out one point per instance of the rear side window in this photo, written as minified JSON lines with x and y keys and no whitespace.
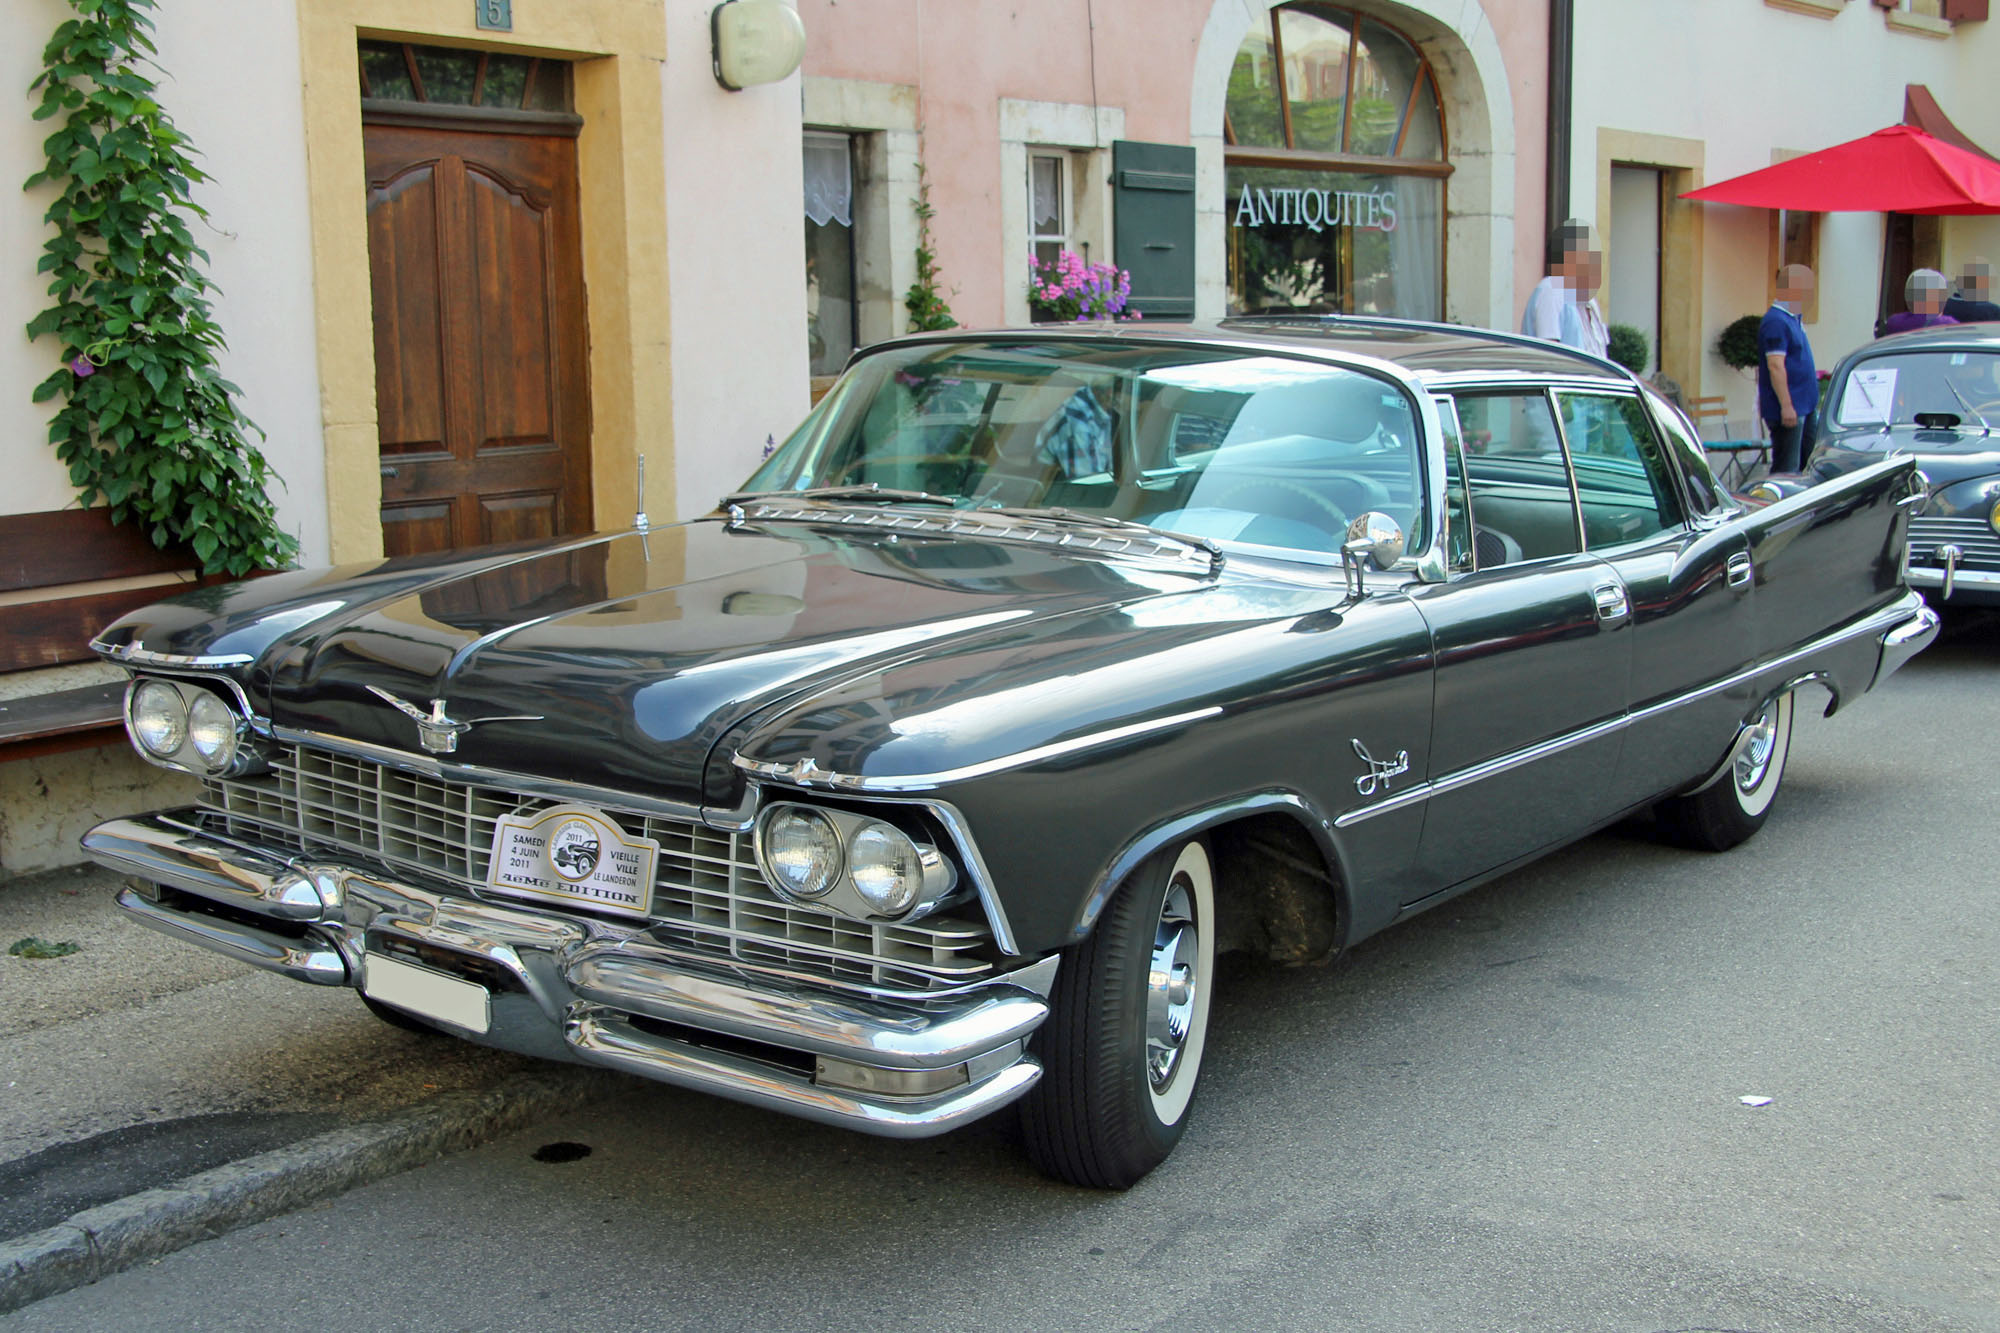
{"x":1704,"y":494}
{"x":1622,"y":478}
{"x":1516,"y":480}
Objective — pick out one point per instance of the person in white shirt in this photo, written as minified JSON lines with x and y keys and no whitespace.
{"x":1563,"y":306}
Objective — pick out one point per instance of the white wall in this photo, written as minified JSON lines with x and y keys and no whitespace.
{"x":1843,"y":77}
{"x":232,"y":86}
{"x":736,"y":262}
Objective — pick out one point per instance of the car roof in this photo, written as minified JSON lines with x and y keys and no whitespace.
{"x":1423,"y":350}
{"x":1946,"y":337}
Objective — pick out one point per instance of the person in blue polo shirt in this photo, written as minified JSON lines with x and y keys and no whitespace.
{"x":1787,"y":380}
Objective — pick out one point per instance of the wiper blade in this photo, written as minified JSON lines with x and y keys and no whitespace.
{"x":1061,"y":515}
{"x":866,"y":491}
{"x":1984,"y":424}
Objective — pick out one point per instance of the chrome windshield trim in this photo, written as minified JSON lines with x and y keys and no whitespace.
{"x":527,"y":785}
{"x":131,"y":654}
{"x":1876,"y":623}
{"x":806,"y":773}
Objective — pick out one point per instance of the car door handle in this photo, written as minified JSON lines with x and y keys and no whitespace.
{"x":1740,"y":570}
{"x":1612,"y":603}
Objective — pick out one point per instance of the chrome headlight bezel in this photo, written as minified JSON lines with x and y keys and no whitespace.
{"x":235,"y":748}
{"x":931,"y":877}
{"x":1993,"y":515}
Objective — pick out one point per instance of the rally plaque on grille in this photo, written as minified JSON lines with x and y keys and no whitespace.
{"x":576,"y":855}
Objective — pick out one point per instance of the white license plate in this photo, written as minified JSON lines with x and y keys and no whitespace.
{"x":426,"y":993}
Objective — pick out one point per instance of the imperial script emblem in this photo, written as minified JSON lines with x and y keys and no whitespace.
{"x":436,"y":731}
{"x":1380,"y":771}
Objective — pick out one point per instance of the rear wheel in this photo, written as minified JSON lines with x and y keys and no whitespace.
{"x":1122,"y":1050}
{"x":1734,"y":806}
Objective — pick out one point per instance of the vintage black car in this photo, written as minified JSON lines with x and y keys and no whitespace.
{"x":929,"y":773}
{"x":1933,"y":394}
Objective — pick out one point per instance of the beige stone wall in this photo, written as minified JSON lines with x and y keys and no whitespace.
{"x":47,"y":803}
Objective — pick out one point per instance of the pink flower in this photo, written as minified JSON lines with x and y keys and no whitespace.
{"x":81,"y":365}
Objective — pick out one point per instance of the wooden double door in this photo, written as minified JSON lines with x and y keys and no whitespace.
{"x":481,"y":380}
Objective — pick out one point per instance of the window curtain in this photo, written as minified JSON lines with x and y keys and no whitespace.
{"x":829,"y":180}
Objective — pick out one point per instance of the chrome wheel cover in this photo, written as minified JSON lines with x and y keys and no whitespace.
{"x":1753,"y":760}
{"x":1172,"y":984}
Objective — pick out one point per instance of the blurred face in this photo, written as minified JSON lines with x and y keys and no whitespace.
{"x":1584,"y":270}
{"x":1795,"y":283}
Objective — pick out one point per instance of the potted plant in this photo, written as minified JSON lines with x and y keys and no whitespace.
{"x":1068,"y":290}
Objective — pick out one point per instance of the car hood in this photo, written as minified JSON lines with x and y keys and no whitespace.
{"x":620,"y":661}
{"x":1946,"y":456}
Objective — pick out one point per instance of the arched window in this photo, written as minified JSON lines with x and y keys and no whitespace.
{"x":1335,"y":156}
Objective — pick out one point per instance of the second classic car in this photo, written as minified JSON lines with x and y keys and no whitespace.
{"x":1933,"y":395}
{"x":929,"y":773}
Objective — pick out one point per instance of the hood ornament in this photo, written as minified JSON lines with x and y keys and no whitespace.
{"x":436,"y":731}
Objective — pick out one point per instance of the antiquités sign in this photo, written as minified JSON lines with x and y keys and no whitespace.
{"x":1316,"y":210}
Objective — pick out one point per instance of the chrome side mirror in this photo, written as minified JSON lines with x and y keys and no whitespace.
{"x":1373,"y":537}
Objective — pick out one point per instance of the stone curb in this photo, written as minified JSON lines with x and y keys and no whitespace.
{"x":100,"y":1241}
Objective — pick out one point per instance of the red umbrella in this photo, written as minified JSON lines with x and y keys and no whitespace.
{"x":1897,"y":170}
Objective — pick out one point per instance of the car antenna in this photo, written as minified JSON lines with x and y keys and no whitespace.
{"x":639,"y":519}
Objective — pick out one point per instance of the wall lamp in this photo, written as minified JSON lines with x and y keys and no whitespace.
{"x":755,"y":41}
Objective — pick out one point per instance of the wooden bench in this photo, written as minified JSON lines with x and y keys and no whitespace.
{"x":64,"y":575}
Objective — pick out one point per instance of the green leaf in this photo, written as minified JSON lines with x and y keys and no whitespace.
{"x":33,"y":946}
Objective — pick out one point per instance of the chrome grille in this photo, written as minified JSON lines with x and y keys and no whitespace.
{"x":1974,"y":536}
{"x":708,"y":893}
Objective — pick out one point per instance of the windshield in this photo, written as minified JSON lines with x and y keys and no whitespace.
{"x":1239,"y":448}
{"x":1892,"y":390}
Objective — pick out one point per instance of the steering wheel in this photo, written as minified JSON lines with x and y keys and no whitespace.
{"x":1988,"y":409}
{"x":1232,"y":499}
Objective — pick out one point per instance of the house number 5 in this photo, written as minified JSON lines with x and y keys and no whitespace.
{"x":494,"y":14}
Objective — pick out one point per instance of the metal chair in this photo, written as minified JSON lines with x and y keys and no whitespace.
{"x":1743,"y":452}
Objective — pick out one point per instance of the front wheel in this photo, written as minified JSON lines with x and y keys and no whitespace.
{"x":1121,"y":1051}
{"x":1734,"y":806}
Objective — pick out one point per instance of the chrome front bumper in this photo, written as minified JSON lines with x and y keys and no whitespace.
{"x":903,"y":1065}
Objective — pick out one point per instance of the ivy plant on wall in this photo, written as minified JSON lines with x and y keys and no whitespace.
{"x":925,"y":298}
{"x":148,"y":425}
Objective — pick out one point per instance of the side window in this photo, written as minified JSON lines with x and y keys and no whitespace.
{"x":1457,"y":508}
{"x":1516,"y":481}
{"x":1621,"y":476}
{"x":1703,"y":492}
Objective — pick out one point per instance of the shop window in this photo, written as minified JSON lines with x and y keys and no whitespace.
{"x":832,"y":327}
{"x":1335,"y":157}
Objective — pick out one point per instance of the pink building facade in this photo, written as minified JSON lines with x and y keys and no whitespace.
{"x":1366,"y":155}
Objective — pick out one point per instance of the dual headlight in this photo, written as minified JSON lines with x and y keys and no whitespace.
{"x":849,"y":863}
{"x":186,"y":726}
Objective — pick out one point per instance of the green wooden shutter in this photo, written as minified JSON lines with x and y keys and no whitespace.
{"x":1153,"y":236}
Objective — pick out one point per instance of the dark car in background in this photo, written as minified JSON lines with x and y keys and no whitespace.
{"x":929,"y":773}
{"x":1934,"y":395}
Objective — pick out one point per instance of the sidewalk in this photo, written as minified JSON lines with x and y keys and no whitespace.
{"x":153,"y":1093}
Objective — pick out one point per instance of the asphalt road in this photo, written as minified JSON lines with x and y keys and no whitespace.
{"x":1518,"y":1112}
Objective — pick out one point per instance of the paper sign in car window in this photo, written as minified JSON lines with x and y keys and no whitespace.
{"x":1871,"y":392}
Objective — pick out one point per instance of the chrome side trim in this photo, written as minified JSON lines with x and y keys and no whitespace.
{"x":131,"y":654}
{"x":807,"y":774}
{"x":519,"y":782}
{"x":306,"y":960}
{"x":1883,"y":621}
